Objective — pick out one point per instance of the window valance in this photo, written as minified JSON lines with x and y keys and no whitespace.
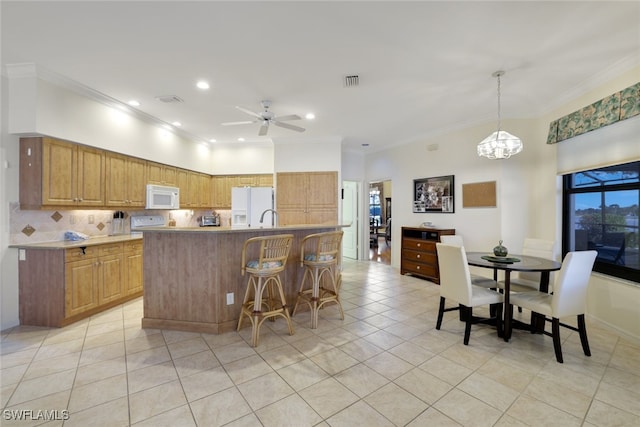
{"x":614,"y":108}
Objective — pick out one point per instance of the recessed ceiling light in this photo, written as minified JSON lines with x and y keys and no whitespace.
{"x":241,"y":139}
{"x":365,"y":144}
{"x":310,"y":116}
{"x":177,"y":124}
{"x":212,"y":140}
{"x":134,"y":103}
{"x":202,"y":85}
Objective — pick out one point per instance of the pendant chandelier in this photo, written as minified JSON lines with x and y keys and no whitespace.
{"x":500,"y":144}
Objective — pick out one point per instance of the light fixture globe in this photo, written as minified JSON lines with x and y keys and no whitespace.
{"x":500,"y":144}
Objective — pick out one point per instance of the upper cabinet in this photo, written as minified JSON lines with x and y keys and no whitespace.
{"x":307,"y":197}
{"x":125,"y":181}
{"x":221,"y":186}
{"x":160,"y":174}
{"x":64,"y":175}
{"x":60,"y":174}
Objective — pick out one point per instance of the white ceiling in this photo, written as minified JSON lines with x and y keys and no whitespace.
{"x":425,"y":67}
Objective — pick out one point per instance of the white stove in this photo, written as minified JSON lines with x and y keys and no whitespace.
{"x":140,"y":222}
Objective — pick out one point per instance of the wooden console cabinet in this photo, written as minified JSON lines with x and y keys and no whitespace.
{"x":418,"y":247}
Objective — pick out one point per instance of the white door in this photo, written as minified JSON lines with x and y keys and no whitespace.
{"x":350,"y":215}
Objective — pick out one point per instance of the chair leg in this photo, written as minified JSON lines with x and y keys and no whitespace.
{"x":583,"y":335}
{"x":467,"y":328}
{"x":555,"y":331}
{"x":440,"y":313}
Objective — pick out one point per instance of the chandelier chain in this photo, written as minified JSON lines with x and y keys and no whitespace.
{"x":499,"y":115}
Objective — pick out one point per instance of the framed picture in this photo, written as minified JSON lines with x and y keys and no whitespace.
{"x":433,"y":194}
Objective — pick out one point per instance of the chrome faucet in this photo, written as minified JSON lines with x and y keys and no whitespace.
{"x":274,"y":216}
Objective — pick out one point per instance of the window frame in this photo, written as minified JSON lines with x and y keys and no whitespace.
{"x":619,"y":271}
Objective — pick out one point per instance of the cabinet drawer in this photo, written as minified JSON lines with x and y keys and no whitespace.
{"x":133,"y":247}
{"x":421,"y":245}
{"x":420,"y":257}
{"x":419,"y":268}
{"x":78,"y":254}
{"x":112,"y":249}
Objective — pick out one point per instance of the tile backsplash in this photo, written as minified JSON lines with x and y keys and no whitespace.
{"x":34,"y":226}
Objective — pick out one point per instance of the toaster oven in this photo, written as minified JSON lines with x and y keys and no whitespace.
{"x":209,"y":221}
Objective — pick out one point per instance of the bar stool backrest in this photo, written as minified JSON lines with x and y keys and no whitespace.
{"x":321,"y":247}
{"x":272,"y":253}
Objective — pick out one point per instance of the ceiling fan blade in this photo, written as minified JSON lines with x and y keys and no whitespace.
{"x":246,"y":122}
{"x":251,"y":113}
{"x":288,"y":126}
{"x":264,"y":128}
{"x":290,"y":117}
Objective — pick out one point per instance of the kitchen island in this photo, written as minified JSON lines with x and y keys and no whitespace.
{"x":192,"y":276}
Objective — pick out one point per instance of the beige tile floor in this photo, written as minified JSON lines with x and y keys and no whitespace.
{"x":384,"y":365}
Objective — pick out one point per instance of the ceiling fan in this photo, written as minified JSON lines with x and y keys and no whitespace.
{"x":266,"y":118}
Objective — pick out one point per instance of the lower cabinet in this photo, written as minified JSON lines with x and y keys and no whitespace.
{"x":418,"y":251}
{"x":133,"y":268}
{"x":61,"y":286}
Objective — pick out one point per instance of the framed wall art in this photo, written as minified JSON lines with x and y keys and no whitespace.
{"x":433,"y":194}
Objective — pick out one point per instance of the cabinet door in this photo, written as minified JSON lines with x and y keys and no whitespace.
{"x":205,"y":191}
{"x":59,"y":165}
{"x":291,"y":191}
{"x":115,"y":180}
{"x":183,"y":184}
{"x":90,"y":176}
{"x":169,"y":176}
{"x":81,"y":286}
{"x":136,"y":182}
{"x":154,"y":173}
{"x":265,"y":180}
{"x":110,"y":278}
{"x":194,"y":189}
{"x":322,"y":191}
{"x":133,"y":281}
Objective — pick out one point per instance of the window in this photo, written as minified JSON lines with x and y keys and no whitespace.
{"x":375,"y":208}
{"x":601,"y":213}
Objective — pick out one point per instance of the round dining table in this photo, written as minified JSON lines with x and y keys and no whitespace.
{"x":514,"y":262}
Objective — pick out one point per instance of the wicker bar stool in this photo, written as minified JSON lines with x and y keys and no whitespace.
{"x":319,"y":256}
{"x":264,"y":276}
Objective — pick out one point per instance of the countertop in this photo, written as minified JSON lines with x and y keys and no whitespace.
{"x":241,"y":229}
{"x":68,"y":244}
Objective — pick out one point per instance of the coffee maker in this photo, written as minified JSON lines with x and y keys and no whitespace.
{"x":117,"y":223}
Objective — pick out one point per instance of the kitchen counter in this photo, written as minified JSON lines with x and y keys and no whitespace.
{"x":69,"y":244}
{"x":191,"y":273}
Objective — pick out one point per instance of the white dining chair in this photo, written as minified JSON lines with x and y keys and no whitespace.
{"x":455,"y":284}
{"x":476,"y":279}
{"x":569,"y":298}
{"x":524,"y":281}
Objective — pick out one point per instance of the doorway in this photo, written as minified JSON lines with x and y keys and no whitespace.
{"x":350,"y":216}
{"x":380,"y":221}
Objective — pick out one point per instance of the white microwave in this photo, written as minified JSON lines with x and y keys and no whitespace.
{"x":162,"y":197}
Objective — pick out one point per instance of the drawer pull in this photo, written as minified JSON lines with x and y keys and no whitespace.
{"x":418,"y":256}
{"x":417,"y":267}
{"x":419,"y":244}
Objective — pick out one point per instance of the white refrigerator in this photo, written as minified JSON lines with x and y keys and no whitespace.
{"x":248,"y":204}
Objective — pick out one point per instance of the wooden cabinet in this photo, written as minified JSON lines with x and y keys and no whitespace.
{"x":93,"y":277}
{"x":61,"y":286}
{"x":125,"y":181}
{"x":307,"y":197}
{"x":221,"y":186}
{"x":418,"y":251}
{"x":58,"y":173}
{"x":160,"y":174}
{"x":195,"y":189}
{"x":133,"y":267}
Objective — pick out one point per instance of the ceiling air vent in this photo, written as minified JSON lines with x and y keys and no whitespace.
{"x":352,"y":80}
{"x":168,"y":99}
